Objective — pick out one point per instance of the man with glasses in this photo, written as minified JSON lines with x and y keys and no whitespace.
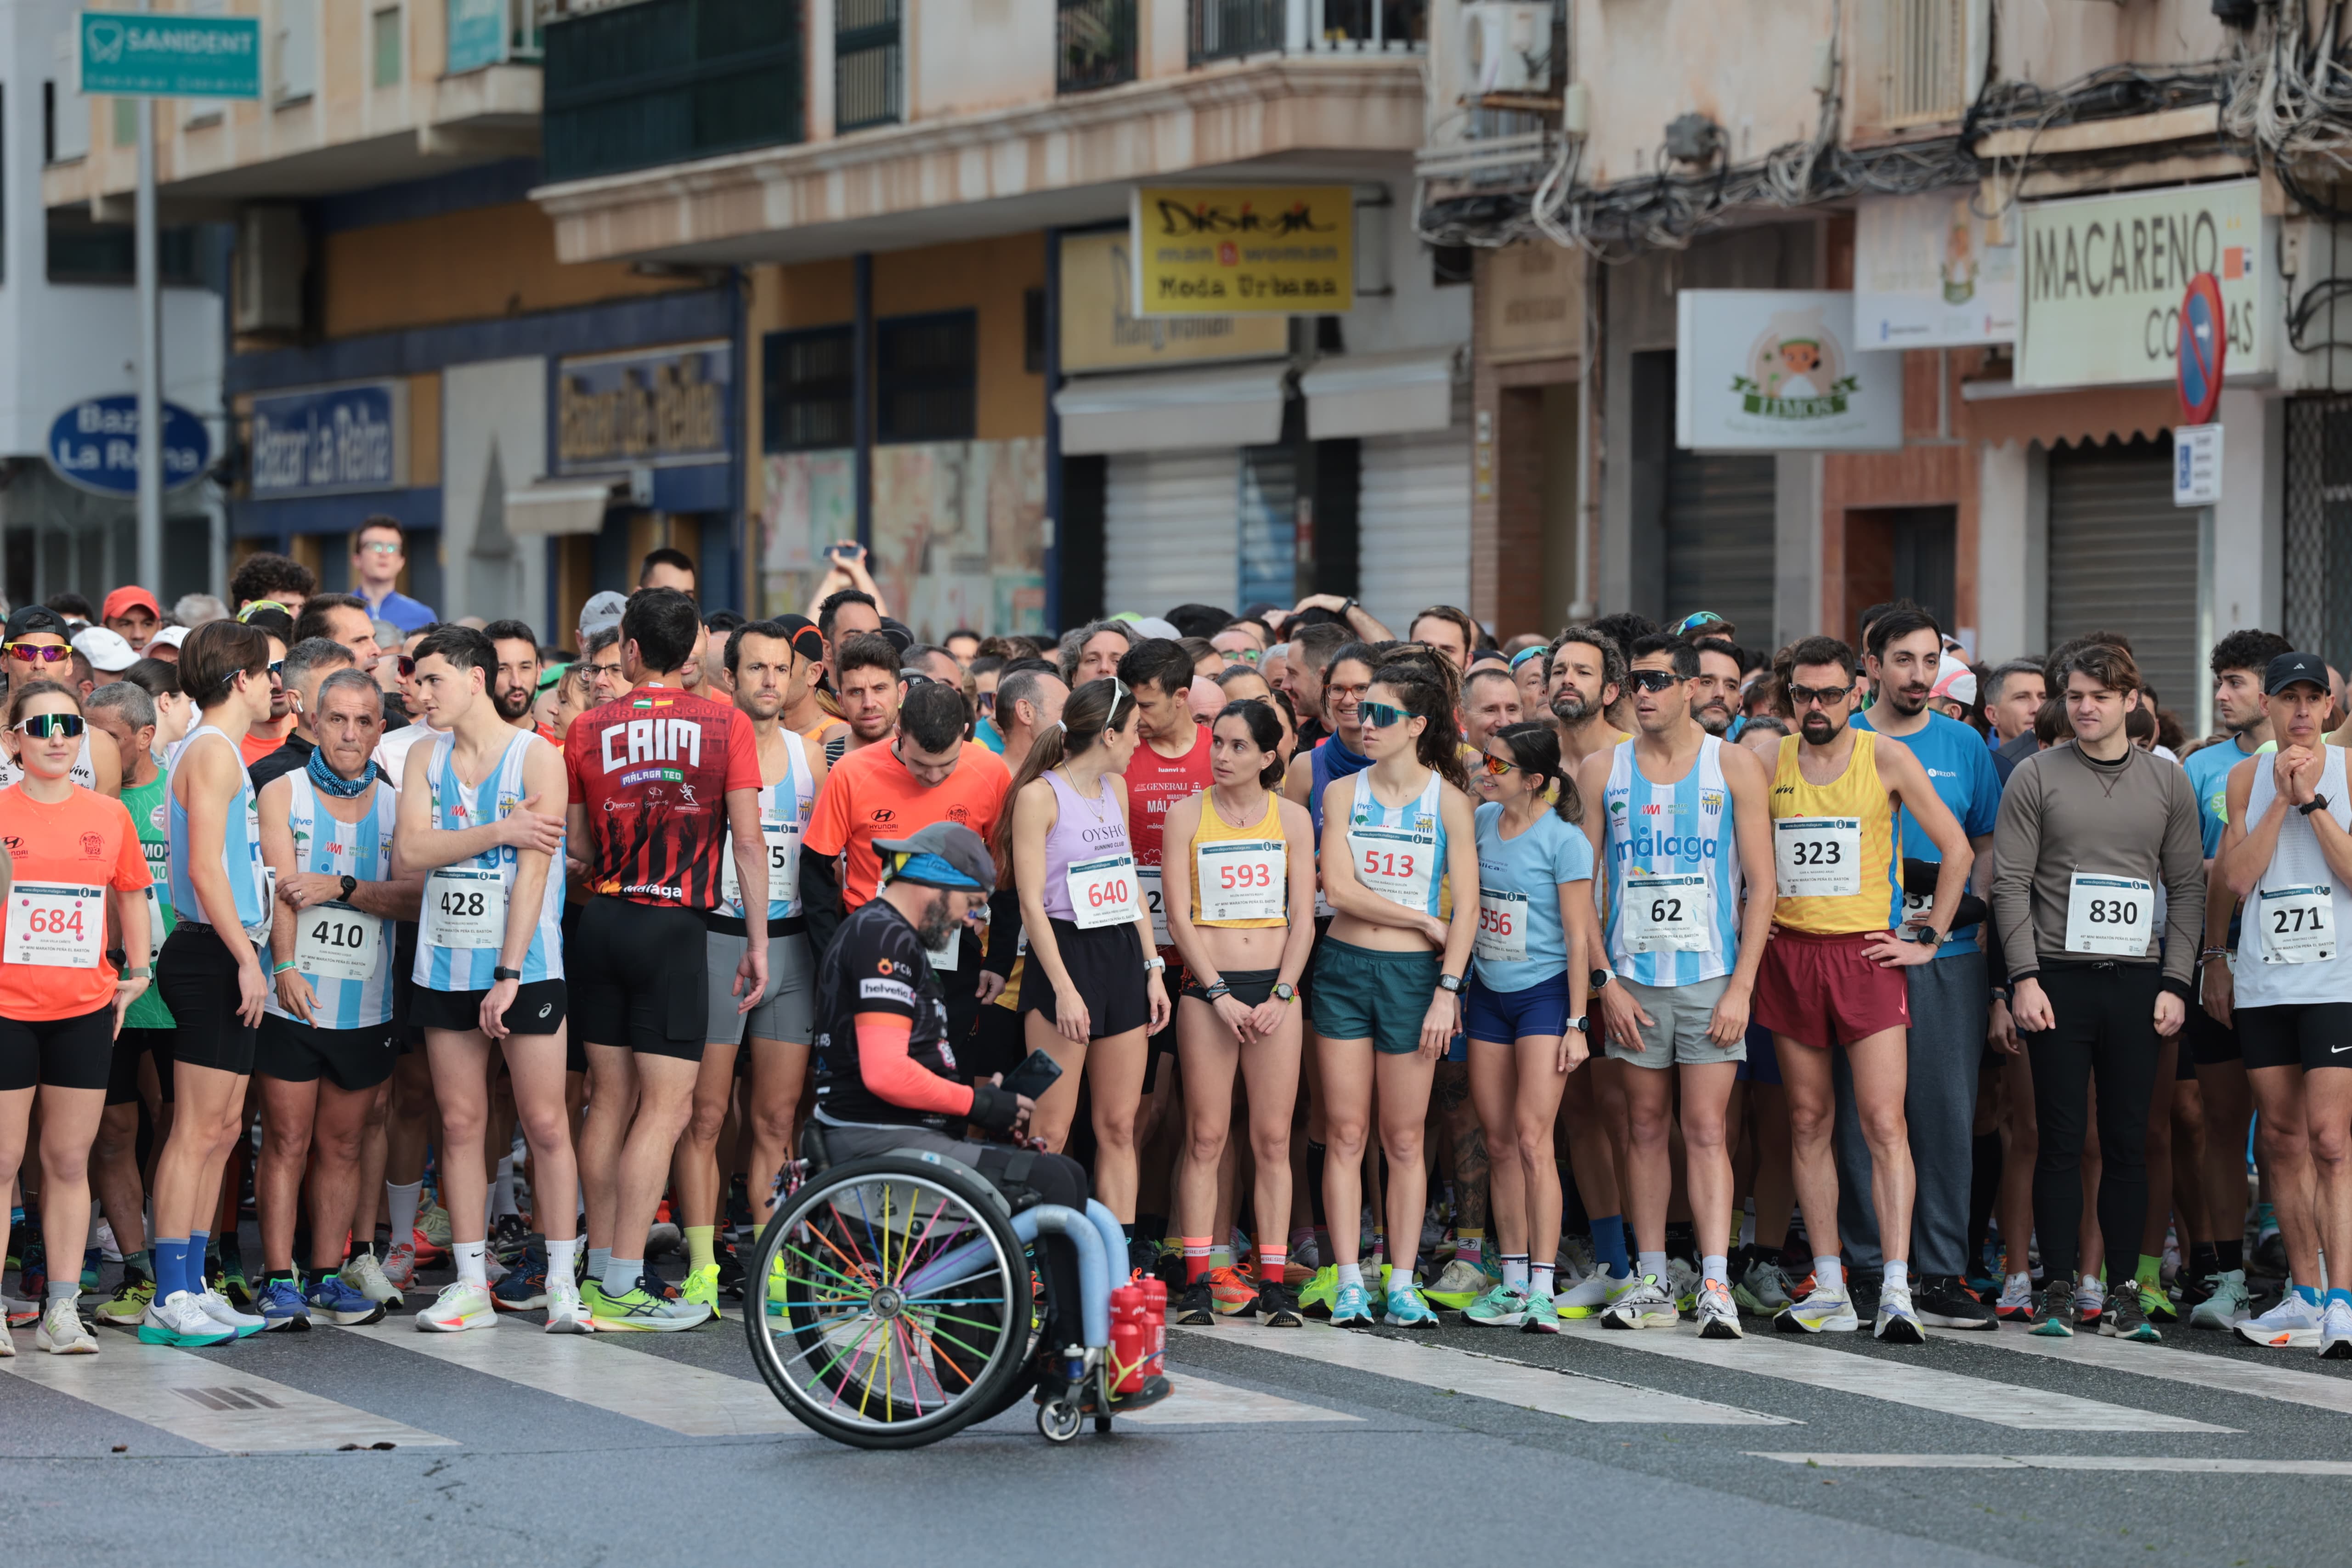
{"x":1833,"y":971}
{"x":602,"y":655}
{"x":379,"y":556}
{"x":304,"y":670}
{"x":270,"y":733}
{"x":36,"y":648}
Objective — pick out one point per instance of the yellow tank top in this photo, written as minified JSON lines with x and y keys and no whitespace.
{"x":1243,"y":868}
{"x":1833,"y":845}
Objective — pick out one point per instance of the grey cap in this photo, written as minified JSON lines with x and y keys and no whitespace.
{"x":963,"y":850}
{"x":602,"y":610}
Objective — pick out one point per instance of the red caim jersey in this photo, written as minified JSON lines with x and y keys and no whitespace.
{"x":1154,"y":783}
{"x":653,"y":769}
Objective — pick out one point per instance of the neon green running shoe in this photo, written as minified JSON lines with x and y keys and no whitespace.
{"x":702,"y":1288}
{"x":1315,"y":1297}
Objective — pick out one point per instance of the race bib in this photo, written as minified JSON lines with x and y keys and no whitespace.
{"x":55,"y":927}
{"x":336,"y":942}
{"x":2298,"y":924}
{"x":783,"y":862}
{"x":1502,"y":926}
{"x":1241,"y":879}
{"x":1396,"y":863}
{"x":154,"y":923}
{"x":2115,"y":916}
{"x":1102,"y":891}
{"x":465,"y":908}
{"x":1668,"y":914}
{"x":943,"y":957}
{"x":1148,"y":879}
{"x":1817,"y":856}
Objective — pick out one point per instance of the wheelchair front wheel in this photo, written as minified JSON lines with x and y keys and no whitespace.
{"x":890,"y":1301}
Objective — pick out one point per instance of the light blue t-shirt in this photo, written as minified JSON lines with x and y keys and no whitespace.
{"x":2208,"y":774}
{"x":1962,"y":771}
{"x":1532,"y":865}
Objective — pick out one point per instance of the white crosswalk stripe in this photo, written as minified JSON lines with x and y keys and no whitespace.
{"x":2281,"y":1381}
{"x":1572,"y":1395}
{"x":1897,"y":1382}
{"x":210,"y":1402}
{"x":1198,"y":1400}
{"x":2131,"y":1463}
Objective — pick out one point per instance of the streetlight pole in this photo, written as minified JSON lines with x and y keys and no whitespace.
{"x":150,"y":360}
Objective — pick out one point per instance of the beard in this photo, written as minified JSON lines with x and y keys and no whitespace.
{"x":1817,"y":730}
{"x":937,"y":922}
{"x":512,"y":705}
{"x":1571,"y":707}
{"x":1715,"y":717}
{"x":1904,"y":702}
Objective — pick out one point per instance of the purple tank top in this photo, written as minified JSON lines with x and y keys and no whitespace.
{"x":1082,"y":830}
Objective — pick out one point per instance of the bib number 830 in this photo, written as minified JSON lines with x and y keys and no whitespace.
{"x":2113,"y":911}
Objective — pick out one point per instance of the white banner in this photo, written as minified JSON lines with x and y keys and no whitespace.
{"x":1775,"y":370}
{"x":1928,"y":274}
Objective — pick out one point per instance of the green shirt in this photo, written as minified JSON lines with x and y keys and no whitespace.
{"x":149,"y":809}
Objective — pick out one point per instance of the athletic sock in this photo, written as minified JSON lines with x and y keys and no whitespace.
{"x":1269,"y":1263}
{"x":2231,"y":1252}
{"x":141,"y":1263}
{"x":1350,"y":1274}
{"x":171,"y":1266}
{"x":562,"y":1260}
{"x":599,"y":1259}
{"x":1653,"y":1264}
{"x":1515,"y":1271}
{"x":621,"y":1275}
{"x":1898,"y":1275}
{"x":2309,"y":1294}
{"x":272,"y":1276}
{"x":2338,"y":1294}
{"x":701,"y":1251}
{"x":1221,"y":1257}
{"x":1539,"y":1280}
{"x":66,"y":1289}
{"x":2151,"y":1269}
{"x":469,"y":1262}
{"x":2204,"y":1262}
{"x":1828,"y":1274}
{"x":1682,"y":1239}
{"x":400,"y":1205}
{"x":200,"y":1257}
{"x":1715,"y":1268}
{"x":1609,"y":1245}
{"x":1196,"y":1257}
{"x":1470,"y":1247}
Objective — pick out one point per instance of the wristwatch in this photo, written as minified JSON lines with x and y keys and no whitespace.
{"x":1597,"y":980}
{"x":1283,"y":991}
{"x":1582,"y":1024}
{"x":1155,"y":962}
{"x":1927,"y":936}
{"x":2316,"y":803}
{"x":502,"y":973}
{"x":1450,"y":983}
{"x":138,"y":974}
{"x":350,"y":884}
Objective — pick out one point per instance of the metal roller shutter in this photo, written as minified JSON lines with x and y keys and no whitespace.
{"x":1719,"y":540}
{"x":2123,"y":558}
{"x":1171,"y":530}
{"x":1413,"y":520}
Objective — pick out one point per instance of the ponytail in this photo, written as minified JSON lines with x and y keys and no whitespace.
{"x":1535,"y":748}
{"x":1093,"y":709}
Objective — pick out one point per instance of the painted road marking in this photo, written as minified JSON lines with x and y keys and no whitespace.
{"x":209,"y":1401}
{"x":2210,"y":1371}
{"x":1898,"y":1383}
{"x":1575,"y":1396}
{"x":2132,"y":1462}
{"x":1199,"y":1401}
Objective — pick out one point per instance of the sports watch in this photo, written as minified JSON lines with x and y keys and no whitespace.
{"x":1927,"y":936}
{"x":1283,"y":991}
{"x":1597,"y":979}
{"x":351,"y":884}
{"x":502,"y":973}
{"x":1451,"y":984}
{"x":2316,"y":803}
{"x":1582,"y":1024}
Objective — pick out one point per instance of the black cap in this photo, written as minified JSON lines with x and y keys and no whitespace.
{"x":901,"y":636}
{"x":802,"y":633}
{"x":35,"y":620}
{"x":2289,"y":667}
{"x":962,"y":851}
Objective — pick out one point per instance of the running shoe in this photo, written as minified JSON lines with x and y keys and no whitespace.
{"x":89,"y":1257}
{"x":20,"y":1313}
{"x":217,"y":1307}
{"x":1645,"y":1306}
{"x":128,"y":1306}
{"x":1943,"y":1302}
{"x":1574,"y":1259}
{"x":62,"y":1333}
{"x":2293,"y":1324}
{"x":2090,"y":1302}
{"x":1542,"y":1318}
{"x":524,"y":1290}
{"x":509,"y":1236}
{"x":701,"y":1289}
{"x":1589,"y":1297}
{"x":2157,"y":1304}
{"x":1718,"y":1313}
{"x":280,"y":1306}
{"x":2016,"y":1303}
{"x":183,"y":1322}
{"x":1898,"y":1318}
{"x":643,"y":1310}
{"x":566,"y":1314}
{"x":1315,"y":1297}
{"x":235,"y":1287}
{"x":2057,"y":1315}
{"x":1235,"y":1293}
{"x":2126,"y":1319}
{"x":7,"y":1346}
{"x":664,"y":1237}
{"x":1826,"y":1309}
{"x":399,"y":1267}
{"x":432,"y":1224}
{"x":335,"y":1299}
{"x":364,"y":1273}
{"x":1407,"y":1309}
{"x":1198,"y":1309}
{"x":1762,"y":1289}
{"x":33,"y":1264}
{"x":1682,"y":1284}
{"x":1274,"y":1306}
{"x":2229,"y":1303}
{"x":730,"y":1270}
{"x":457,"y":1308}
{"x":1143,"y":1255}
{"x":2335,"y":1331}
{"x":1349,"y":1309}
{"x":1503,"y":1307}
{"x":1461,"y":1283}
{"x":103,"y":1237}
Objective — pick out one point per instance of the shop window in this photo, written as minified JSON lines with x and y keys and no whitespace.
{"x":82,"y":252}
{"x":809,"y":390}
{"x":926,"y":375}
{"x":384,"y":48}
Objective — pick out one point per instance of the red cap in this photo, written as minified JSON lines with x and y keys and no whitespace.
{"x":123,"y":599}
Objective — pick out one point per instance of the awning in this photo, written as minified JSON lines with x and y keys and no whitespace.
{"x":1164,"y":411}
{"x":563,"y":506}
{"x":1379,"y":395}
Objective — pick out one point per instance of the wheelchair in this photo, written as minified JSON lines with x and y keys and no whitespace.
{"x":890,"y":1301}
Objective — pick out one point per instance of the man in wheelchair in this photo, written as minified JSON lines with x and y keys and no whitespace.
{"x":884,"y":1067}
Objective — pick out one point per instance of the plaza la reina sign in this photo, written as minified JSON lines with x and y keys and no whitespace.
{"x":1775,"y":370}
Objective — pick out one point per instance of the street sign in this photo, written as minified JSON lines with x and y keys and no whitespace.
{"x":2197,"y":465}
{"x":94,"y":446}
{"x":2204,"y":348}
{"x":138,"y":54}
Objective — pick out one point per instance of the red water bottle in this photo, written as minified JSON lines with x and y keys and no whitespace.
{"x":1129,"y":1338}
{"x":1155,"y":1303}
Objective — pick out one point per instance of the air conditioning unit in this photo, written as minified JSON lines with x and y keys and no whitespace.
{"x":1506,"y":46}
{"x":271,"y":256}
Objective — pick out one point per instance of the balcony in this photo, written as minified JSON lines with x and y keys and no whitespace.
{"x":663,"y":81}
{"x":1235,"y":29}
{"x":1095,"y":44}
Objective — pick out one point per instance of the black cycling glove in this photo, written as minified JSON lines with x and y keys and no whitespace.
{"x":994,"y":1109}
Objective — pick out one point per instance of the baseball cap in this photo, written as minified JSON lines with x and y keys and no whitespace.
{"x":124,"y":599}
{"x":107,"y":651}
{"x":944,"y":855}
{"x":2284,"y":671}
{"x":170,"y":636}
{"x":1153,"y":627}
{"x":602,"y":610}
{"x":1960,"y":685}
{"x":901,"y":636}
{"x":802,"y":633}
{"x":34,"y":620}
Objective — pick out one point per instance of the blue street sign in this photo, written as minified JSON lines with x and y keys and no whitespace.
{"x":94,"y":446}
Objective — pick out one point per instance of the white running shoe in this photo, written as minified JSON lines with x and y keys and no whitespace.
{"x":565,"y":1312}
{"x":2230,"y":1304}
{"x":1589,"y":1297}
{"x":493,"y":1270}
{"x":1682,"y":1283}
{"x":2015,"y":1303}
{"x":182,"y":1322}
{"x":61,"y":1331}
{"x":366,"y":1275}
{"x":1898,"y":1322}
{"x":1827,"y":1310}
{"x":459,"y":1307}
{"x":103,"y":1239}
{"x":1719,"y":1314}
{"x":2335,"y":1331}
{"x":217,"y":1308}
{"x":399,"y":1265}
{"x":2293,"y":1324}
{"x":1645,"y":1306}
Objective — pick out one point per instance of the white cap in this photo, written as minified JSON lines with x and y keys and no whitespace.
{"x":602,"y":610}
{"x":108,"y":651}
{"x":170,"y":636}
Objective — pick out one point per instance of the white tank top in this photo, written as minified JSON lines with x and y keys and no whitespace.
{"x":2287,"y":953}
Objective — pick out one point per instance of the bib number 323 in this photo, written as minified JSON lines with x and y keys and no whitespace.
{"x":1817,"y":856}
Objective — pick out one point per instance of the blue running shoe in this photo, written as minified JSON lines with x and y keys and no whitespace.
{"x":524,"y":1288}
{"x":1408,"y":1311}
{"x":281,"y":1305}
{"x":1349,"y":1310}
{"x":90,"y":1258}
{"x":334,"y":1299}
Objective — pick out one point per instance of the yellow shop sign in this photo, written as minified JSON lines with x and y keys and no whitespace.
{"x":1237,"y":250}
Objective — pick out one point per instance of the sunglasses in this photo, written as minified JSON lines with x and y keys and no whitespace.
{"x":46,"y":653}
{"x":377,"y":547}
{"x":46,"y":726}
{"x":1380,"y":715}
{"x":406,"y":665}
{"x":1496,"y":765}
{"x":1654,"y":680}
{"x":1697,"y":620}
{"x":985,"y":702}
{"x":1827,"y":696}
{"x":1241,"y":656}
{"x":1526,"y":654}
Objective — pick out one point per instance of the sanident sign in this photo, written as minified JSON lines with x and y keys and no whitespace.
{"x":1243,"y":251}
{"x":136,"y":55}
{"x":2104,"y":277}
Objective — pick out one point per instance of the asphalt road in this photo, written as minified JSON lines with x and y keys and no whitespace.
{"x":1296,"y":1445}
